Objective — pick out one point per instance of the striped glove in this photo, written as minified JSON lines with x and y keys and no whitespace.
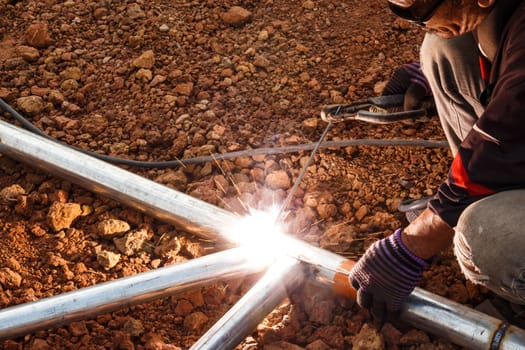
{"x":386,"y":275}
{"x":409,"y":80}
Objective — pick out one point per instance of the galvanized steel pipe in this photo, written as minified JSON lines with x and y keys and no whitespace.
{"x":460,"y":324}
{"x":113,"y":295}
{"x":285,"y":275}
{"x":123,"y":186}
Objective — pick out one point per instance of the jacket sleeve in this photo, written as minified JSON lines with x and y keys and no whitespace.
{"x":492,"y":157}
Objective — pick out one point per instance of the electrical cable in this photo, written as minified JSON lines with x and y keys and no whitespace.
{"x":222,"y":156}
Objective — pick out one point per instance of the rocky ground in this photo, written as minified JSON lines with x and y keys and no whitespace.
{"x":164,"y":80}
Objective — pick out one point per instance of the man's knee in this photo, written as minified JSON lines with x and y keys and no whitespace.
{"x":489,"y":243}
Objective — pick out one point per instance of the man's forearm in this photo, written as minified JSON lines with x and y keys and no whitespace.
{"x":427,"y":235}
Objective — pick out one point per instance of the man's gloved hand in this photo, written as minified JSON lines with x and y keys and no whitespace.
{"x":409,"y":80}
{"x":386,"y":275}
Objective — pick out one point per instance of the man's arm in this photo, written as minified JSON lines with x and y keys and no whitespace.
{"x":427,"y":235}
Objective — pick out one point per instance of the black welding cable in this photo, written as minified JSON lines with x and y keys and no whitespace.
{"x":222,"y":156}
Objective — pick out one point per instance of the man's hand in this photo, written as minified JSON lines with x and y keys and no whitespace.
{"x":386,"y":275}
{"x":409,"y":80}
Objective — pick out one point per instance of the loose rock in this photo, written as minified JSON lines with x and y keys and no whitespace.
{"x":278,"y":180}
{"x":31,"y":105}
{"x":37,"y":35}
{"x":112,"y":227}
{"x":62,"y":215}
{"x":108,"y":259}
{"x":236,"y":16}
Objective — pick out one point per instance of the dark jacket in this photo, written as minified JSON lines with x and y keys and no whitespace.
{"x":492,"y":157}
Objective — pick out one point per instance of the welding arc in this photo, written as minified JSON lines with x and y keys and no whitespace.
{"x":222,"y":156}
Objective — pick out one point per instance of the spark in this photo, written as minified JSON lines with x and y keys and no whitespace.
{"x":262,"y":234}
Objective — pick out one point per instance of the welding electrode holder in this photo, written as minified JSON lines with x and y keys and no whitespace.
{"x":377,"y":110}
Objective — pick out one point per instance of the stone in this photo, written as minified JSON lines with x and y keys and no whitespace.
{"x":61,"y":215}
{"x":28,"y":53}
{"x":107,"y":259}
{"x":391,"y":334}
{"x":37,"y":230}
{"x":69,"y":85}
{"x":214,"y":295}
{"x":78,"y":328}
{"x":39,"y":91}
{"x":133,"y":327}
{"x":323,"y":312}
{"x":310,"y":124}
{"x":131,"y":243}
{"x":368,"y":338}
{"x":183,"y":308}
{"x":195,"y":321}
{"x":134,"y":11}
{"x":11,"y":193}
{"x":303,"y":220}
{"x":278,"y":179}
{"x":112,"y":227}
{"x":157,"y":79}
{"x":173,"y":178}
{"x":309,"y":5}
{"x":71,"y":73}
{"x":326,"y":210}
{"x":332,"y":336}
{"x":37,"y":35}
{"x":184,"y":89}
{"x":31,"y":105}
{"x":6,"y":94}
{"x":146,"y":60}
{"x":168,"y":247}
{"x":144,"y":74}
{"x":263,"y":35}
{"x":55,"y":97}
{"x":40,"y":344}
{"x":338,"y":237}
{"x":94,"y":124}
{"x":361,"y":212}
{"x":10,"y":279}
{"x":155,"y":342}
{"x":236,"y":16}
{"x":217,"y":133}
{"x":261,"y":62}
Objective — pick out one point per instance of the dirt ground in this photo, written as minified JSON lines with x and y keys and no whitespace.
{"x":166,"y":80}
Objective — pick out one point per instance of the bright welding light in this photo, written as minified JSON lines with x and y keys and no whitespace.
{"x":260,"y":232}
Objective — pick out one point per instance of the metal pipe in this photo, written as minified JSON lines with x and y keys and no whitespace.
{"x":286,"y":274}
{"x":460,"y":324}
{"x":111,"y":181}
{"x":156,"y":200}
{"x":196,"y":216}
{"x":140,"y":288}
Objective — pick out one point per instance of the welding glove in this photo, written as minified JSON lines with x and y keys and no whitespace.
{"x":386,"y":275}
{"x":408,"y":80}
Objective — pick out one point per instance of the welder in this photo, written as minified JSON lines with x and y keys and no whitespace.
{"x":472,"y":61}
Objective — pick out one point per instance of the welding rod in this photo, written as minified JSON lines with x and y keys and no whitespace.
{"x":196,"y":216}
{"x":285,"y":275}
{"x":109,"y":296}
